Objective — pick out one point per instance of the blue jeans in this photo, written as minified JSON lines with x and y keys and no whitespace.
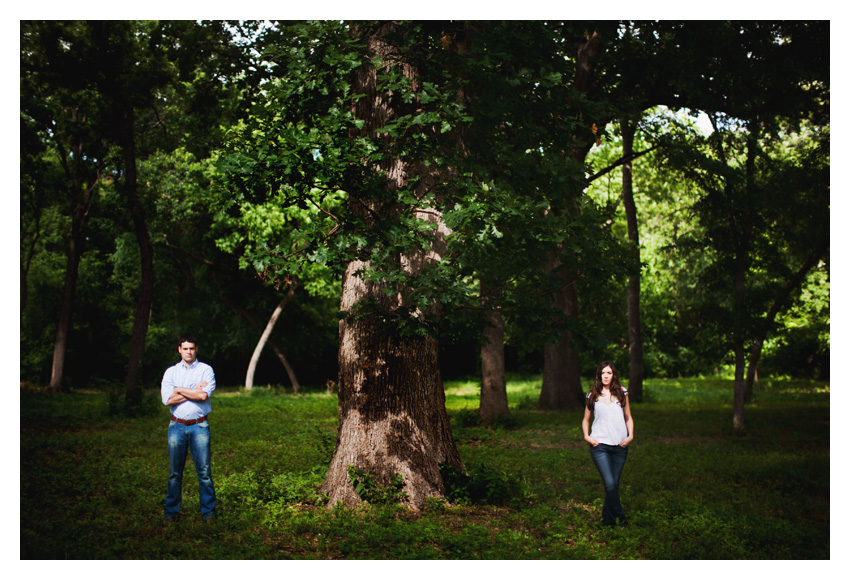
{"x":609,"y":460}
{"x":194,"y":438}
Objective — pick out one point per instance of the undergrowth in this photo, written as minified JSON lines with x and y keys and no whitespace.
{"x":92,"y":486}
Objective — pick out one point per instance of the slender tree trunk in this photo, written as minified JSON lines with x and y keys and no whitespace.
{"x":738,"y":349}
{"x":144,"y":303}
{"x":290,"y":372}
{"x":252,"y":366}
{"x":63,"y":328}
{"x":25,"y":264}
{"x":561,"y":388}
{"x":80,"y":207}
{"x":741,"y":234}
{"x":296,"y":386}
{"x":494,"y":396}
{"x":752,"y":369}
{"x":795,"y":281}
{"x":79,"y":214}
{"x":635,"y":336}
{"x":392,"y":414}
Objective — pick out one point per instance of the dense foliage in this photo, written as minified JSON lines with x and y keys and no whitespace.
{"x":248,"y":154}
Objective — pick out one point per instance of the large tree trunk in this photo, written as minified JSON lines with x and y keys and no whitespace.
{"x":561,"y":389}
{"x":144,"y":303}
{"x":392,"y":414}
{"x":635,"y":336}
{"x":255,"y":357}
{"x":494,"y":396}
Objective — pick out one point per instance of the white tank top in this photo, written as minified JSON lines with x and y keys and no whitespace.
{"x":609,"y":424}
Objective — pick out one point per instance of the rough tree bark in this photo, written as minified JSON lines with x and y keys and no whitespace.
{"x":635,"y":336}
{"x":255,"y":357}
{"x":392,"y":415}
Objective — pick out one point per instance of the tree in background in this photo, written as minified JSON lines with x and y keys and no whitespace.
{"x":487,"y":127}
{"x":744,"y":207}
{"x":62,"y":120}
{"x":93,"y":96}
{"x":746,"y":77}
{"x":763,"y":211}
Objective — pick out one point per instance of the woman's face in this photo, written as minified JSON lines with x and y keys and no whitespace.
{"x":607,"y":375}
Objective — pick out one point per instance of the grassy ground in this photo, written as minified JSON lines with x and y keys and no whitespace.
{"x":92,"y":481}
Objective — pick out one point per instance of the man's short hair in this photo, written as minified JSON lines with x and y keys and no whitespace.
{"x":186,"y":338}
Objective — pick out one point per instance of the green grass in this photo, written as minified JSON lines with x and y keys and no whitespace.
{"x":92,"y":481}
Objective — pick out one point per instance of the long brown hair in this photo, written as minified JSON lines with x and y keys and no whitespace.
{"x":615,"y":387}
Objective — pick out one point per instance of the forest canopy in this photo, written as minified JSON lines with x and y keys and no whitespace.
{"x":186,"y":176}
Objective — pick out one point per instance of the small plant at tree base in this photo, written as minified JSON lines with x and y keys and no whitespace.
{"x":482,"y":485}
{"x":370,"y":490}
{"x":324,"y":444}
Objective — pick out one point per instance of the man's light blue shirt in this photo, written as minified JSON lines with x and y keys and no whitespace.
{"x":188,"y":378}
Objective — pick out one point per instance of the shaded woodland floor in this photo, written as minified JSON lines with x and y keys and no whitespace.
{"x":93,"y":481}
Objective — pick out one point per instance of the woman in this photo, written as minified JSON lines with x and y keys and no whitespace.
{"x":613,"y":429}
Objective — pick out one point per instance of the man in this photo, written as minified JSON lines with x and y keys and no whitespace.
{"x":187,"y":388}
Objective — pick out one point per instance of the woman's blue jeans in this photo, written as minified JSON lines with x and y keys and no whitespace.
{"x":609,"y":460}
{"x":195,"y":439}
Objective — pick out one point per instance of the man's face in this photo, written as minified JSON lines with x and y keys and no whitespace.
{"x":188,"y":352}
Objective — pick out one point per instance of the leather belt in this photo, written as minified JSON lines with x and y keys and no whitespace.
{"x":190,"y":421}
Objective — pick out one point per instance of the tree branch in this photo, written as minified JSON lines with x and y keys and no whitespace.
{"x":620,"y":162}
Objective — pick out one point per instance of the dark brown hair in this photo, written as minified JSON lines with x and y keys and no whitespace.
{"x":615,"y":387}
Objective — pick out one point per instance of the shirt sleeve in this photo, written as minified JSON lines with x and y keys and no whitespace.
{"x":167,"y":387}
{"x":209,"y":377}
